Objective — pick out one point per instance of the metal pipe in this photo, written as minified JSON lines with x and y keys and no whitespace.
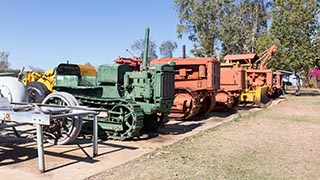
{"x":184,"y":51}
{"x":40,"y":148}
{"x":95,"y":135}
{"x":146,"y":49}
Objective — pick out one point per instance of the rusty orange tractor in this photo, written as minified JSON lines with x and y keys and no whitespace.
{"x":197,"y":81}
{"x":259,"y":81}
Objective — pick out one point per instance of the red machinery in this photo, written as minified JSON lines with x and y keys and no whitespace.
{"x":259,"y":80}
{"x":196,"y":83}
{"x":262,"y":63}
{"x":232,"y":83}
{"x":134,"y":62}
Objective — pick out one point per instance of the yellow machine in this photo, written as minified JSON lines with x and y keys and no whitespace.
{"x":47,"y":78}
{"x":257,"y":96}
{"x":258,"y":79}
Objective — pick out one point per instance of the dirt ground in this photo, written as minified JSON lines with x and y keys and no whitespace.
{"x":281,"y":142}
{"x":250,"y":143}
{"x":18,"y":156}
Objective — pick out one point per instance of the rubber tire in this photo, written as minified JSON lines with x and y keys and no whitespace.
{"x":36,"y":92}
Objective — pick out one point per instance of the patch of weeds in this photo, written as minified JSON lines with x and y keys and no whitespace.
{"x":248,"y":115}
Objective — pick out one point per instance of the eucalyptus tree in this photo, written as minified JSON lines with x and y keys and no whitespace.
{"x":199,"y":19}
{"x":242,"y":23}
{"x":138,"y":48}
{"x":295,"y":26}
{"x":167,"y":48}
{"x":231,"y":25}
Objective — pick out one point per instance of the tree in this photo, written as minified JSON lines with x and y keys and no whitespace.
{"x":294,"y":25}
{"x":4,"y":63}
{"x":167,"y":48}
{"x":233,"y":25}
{"x":88,"y":64}
{"x":242,"y":24}
{"x":138,"y":47}
{"x":200,"y":20}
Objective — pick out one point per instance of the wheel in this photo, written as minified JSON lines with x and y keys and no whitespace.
{"x":185,"y":105}
{"x":127,"y":116}
{"x":224,"y":101}
{"x":62,"y":130}
{"x":36,"y":92}
{"x":207,"y":105}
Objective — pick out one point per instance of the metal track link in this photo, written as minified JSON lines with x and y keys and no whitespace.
{"x":136,"y":126}
{"x":125,"y":118}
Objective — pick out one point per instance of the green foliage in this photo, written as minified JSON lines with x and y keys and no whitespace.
{"x":233,"y":25}
{"x":167,"y":48}
{"x":264,"y":42}
{"x":294,"y":24}
{"x":241,"y":25}
{"x":200,"y":20}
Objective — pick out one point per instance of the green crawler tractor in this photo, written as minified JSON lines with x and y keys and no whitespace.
{"x":130,"y":102}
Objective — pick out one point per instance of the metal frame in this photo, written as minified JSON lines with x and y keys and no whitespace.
{"x":40,"y":115}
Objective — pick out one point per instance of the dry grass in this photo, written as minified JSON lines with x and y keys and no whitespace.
{"x":281,"y":142}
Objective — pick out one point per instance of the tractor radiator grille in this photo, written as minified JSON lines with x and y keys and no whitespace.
{"x":217,"y":76}
{"x":167,"y":80}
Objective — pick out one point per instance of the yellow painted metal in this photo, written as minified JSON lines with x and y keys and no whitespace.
{"x":87,"y":70}
{"x":48,"y":78}
{"x":257,"y":96}
{"x":237,"y":65}
{"x":226,"y":64}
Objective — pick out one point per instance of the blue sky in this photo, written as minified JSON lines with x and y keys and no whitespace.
{"x":43,"y":34}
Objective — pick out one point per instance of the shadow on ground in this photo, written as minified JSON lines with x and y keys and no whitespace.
{"x":179,"y":128}
{"x":15,"y":150}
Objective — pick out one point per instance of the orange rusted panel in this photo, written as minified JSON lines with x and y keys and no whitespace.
{"x":259,"y":78}
{"x":232,"y":83}
{"x":232,"y":77}
{"x":248,"y":59}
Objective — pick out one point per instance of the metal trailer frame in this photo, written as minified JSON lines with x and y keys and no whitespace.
{"x":18,"y":114}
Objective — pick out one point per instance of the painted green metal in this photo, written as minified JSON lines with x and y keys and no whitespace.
{"x":146,"y":50}
{"x":133,"y":102}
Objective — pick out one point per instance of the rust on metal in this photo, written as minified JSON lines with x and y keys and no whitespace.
{"x":257,"y":75}
{"x":197,"y":81}
{"x":134,"y":62}
{"x":232,"y":83}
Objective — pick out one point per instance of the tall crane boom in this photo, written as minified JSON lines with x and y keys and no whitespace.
{"x":264,"y":57}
